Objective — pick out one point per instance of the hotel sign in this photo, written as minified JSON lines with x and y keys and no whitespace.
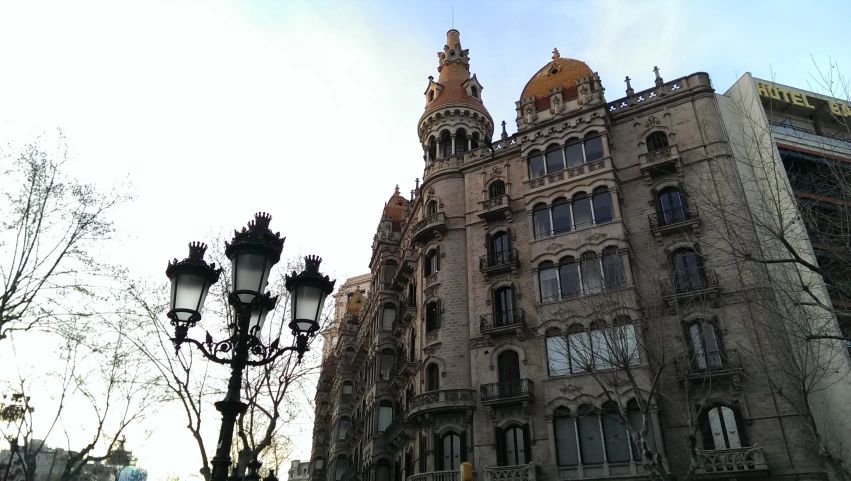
{"x":799,"y":98}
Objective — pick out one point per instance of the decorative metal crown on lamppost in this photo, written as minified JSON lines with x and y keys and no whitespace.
{"x":252,"y":253}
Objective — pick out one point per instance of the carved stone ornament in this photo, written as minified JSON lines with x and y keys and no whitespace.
{"x":431,"y":337}
{"x":597,"y":236}
{"x":553,"y":246}
{"x":431,"y":191}
{"x":480,"y":342}
{"x":495,"y":170}
{"x":651,"y":121}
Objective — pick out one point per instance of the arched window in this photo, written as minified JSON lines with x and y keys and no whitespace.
{"x":432,"y":262}
{"x":499,"y":249}
{"x":333,"y":341}
{"x":343,"y":427}
{"x":656,"y":141}
{"x":397,"y":471}
{"x":671,"y":206}
{"x":430,"y":95}
{"x":593,"y":147}
{"x":569,"y":278}
{"x":541,"y":221}
{"x":433,"y":377}
{"x":555,"y":159}
{"x":590,"y":441}
{"x":557,"y":355}
{"x":496,"y":189}
{"x":431,"y":208}
{"x":450,"y":452}
{"x":592,"y":275}
{"x":508,"y":364}
{"x":564,"y":431}
{"x":614,"y":434}
{"x":637,"y":421}
{"x":573,"y":153}
{"x":561,"y":216}
{"x":422,"y":454}
{"x":536,"y":164}
{"x":582,"y":216}
{"x":603,"y":210}
{"x":503,"y":307}
{"x":389,"y":271}
{"x":385,"y":415}
{"x":474,"y":142}
{"x":602,"y":344}
{"x":461,"y":141}
{"x":388,"y":359}
{"x":388,"y":315}
{"x":432,"y":316}
{"x":548,"y":281}
{"x":704,"y":345}
{"x":341,"y":466}
{"x":513,"y":446}
{"x":382,"y":470}
{"x":720,"y":426}
{"x":613,"y":272}
{"x":412,"y":353}
{"x":445,"y":144}
{"x":474,"y":92}
{"x":688,"y":271}
{"x":319,"y":463}
{"x":409,"y":463}
{"x":347,"y":389}
{"x":432,"y":149}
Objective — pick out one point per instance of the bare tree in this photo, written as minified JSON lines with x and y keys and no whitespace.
{"x":50,"y":226}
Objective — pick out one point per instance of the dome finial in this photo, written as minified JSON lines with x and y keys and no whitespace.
{"x":556,"y":55}
{"x":396,"y":192}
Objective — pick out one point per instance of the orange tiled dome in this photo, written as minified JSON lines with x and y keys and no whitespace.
{"x":560,"y":71}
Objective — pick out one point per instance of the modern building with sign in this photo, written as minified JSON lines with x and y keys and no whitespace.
{"x":561,"y":303}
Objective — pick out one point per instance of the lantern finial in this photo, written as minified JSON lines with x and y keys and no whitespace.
{"x":197,"y":250}
{"x":311,"y":263}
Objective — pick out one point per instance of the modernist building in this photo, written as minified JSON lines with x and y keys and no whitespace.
{"x":557,"y":303}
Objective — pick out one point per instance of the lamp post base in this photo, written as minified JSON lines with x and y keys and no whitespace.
{"x":221,"y":461}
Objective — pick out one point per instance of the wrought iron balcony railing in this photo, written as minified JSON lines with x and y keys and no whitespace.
{"x":731,"y":462}
{"x":497,"y":321}
{"x":496,"y":392}
{"x":499,"y":260}
{"x":697,"y":367}
{"x":689,"y":283}
{"x":673,"y":220}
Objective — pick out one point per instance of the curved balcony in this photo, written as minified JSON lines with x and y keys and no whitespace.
{"x":446,"y":400}
{"x":429,"y":227}
{"x":726,"y":463}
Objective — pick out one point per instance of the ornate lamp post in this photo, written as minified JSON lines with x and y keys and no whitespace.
{"x":252,"y":253}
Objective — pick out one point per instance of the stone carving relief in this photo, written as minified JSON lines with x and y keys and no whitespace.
{"x":651,"y":121}
{"x":478,"y":342}
{"x":553,"y":246}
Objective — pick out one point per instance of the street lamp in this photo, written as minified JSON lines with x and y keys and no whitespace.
{"x":252,"y":252}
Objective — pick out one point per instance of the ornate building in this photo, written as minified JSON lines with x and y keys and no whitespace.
{"x":557,"y":303}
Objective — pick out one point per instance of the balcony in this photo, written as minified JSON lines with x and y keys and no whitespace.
{"x":710,"y":365}
{"x":696,"y":283}
{"x":676,"y":220}
{"x":507,"y":393}
{"x":502,"y":261}
{"x":447,"y":400}
{"x":430,"y":227}
{"x":527,"y":472}
{"x":725,"y":463}
{"x":660,"y":162}
{"x":398,"y":429}
{"x":349,"y":474}
{"x":506,"y":321}
{"x":496,"y":208}
{"x":437,"y":476}
{"x":401,"y":372}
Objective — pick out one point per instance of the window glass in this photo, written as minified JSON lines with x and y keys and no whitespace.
{"x":593,"y":147}
{"x":579,"y":346}
{"x":590,"y":441}
{"x":430,"y":266}
{"x":656,"y":141}
{"x":515,"y":449}
{"x":536,"y":165}
{"x":671,"y":206}
{"x":555,"y":159}
{"x":388,"y":316}
{"x":564,"y":426}
{"x":541,"y":221}
{"x":636,"y":420}
{"x":347,"y":387}
{"x":432,"y":319}
{"x":603,"y":209}
{"x":503,"y":309}
{"x":343,"y":427}
{"x":687,"y":272}
{"x":388,"y":359}
{"x":451,"y":452}
{"x":613,"y":272}
{"x":433,"y":377}
{"x":445,"y":144}
{"x":341,"y":467}
{"x":582,"y":211}
{"x":627,"y":343}
{"x":500,"y":251}
{"x":548,"y":279}
{"x":721,"y":430}
{"x":461,"y":141}
{"x":496,"y":189}
{"x":385,"y":415}
{"x":431,"y":208}
{"x":561,"y":216}
{"x":600,"y":349}
{"x":615,"y":435}
{"x":571,"y":286}
{"x":705,"y":346}
{"x":592,"y":275}
{"x":557,"y":360}
{"x":573,"y":153}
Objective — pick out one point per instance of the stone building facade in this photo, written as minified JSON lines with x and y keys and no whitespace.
{"x":557,"y":303}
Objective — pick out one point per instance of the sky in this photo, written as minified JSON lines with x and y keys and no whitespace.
{"x":208,"y":111}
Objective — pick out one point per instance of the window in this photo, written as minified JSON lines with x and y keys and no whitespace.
{"x":333,"y":341}
{"x":503,"y":307}
{"x":319,"y":463}
{"x":601,"y":349}
{"x":656,"y":141}
{"x":422,"y":456}
{"x":499,"y":249}
{"x":554,"y":158}
{"x":389,"y":271}
{"x":341,"y":466}
{"x":450,"y":452}
{"x":705,"y":346}
{"x":382,"y":470}
{"x":474,"y":92}
{"x":432,"y":316}
{"x":474,"y":142}
{"x":461,"y":141}
{"x":445,"y":144}
{"x":603,"y":210}
{"x":564,"y":427}
{"x":432,"y":149}
{"x":557,"y":356}
{"x":613,"y":272}
{"x":431,"y":208}
{"x":347,"y":388}
{"x":688,"y":273}
{"x":636,"y":421}
{"x":593,"y":147}
{"x":388,"y":315}
{"x":496,"y":189}
{"x":671,"y":206}
{"x":409,"y":463}
{"x":541,"y":221}
{"x":385,"y":415}
{"x":561,"y":216}
{"x":508,"y":365}
{"x":569,"y":277}
{"x":388,"y":359}
{"x":513,"y":446}
{"x":432,"y":377}
{"x":413,"y":349}
{"x":592,"y":274}
{"x":573,"y":153}
{"x":721,"y":429}
{"x":343,"y":427}
{"x":548,"y":281}
{"x":582,"y":216}
{"x":430,"y":95}
{"x":614,"y":434}
{"x":432,"y":262}
{"x":590,"y":441}
{"x":536,"y":164}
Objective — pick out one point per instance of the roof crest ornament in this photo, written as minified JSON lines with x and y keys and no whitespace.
{"x":556,"y":55}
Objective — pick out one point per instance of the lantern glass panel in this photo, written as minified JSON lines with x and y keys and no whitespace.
{"x":258,"y":318}
{"x":307,"y":303}
{"x":250,"y":273}
{"x":304,"y":326}
{"x":188,"y":293}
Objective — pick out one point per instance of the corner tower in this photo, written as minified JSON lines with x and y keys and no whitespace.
{"x":455,"y":120}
